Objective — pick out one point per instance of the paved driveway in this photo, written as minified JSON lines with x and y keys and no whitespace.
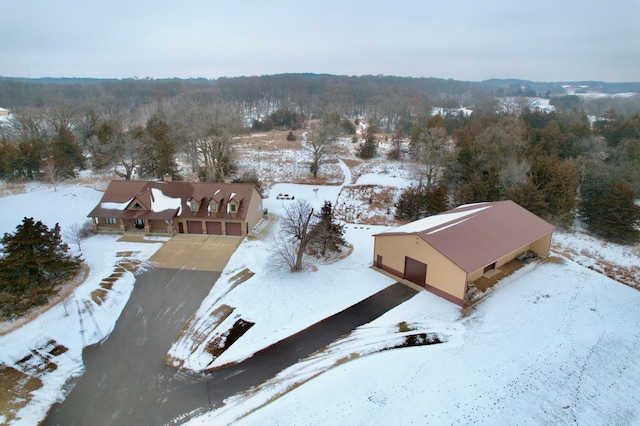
{"x":196,"y":252}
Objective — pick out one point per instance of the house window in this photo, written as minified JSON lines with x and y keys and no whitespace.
{"x":194,"y":206}
{"x":233,"y":208}
{"x":137,"y":206}
{"x":213,"y":207}
{"x":110,"y":220}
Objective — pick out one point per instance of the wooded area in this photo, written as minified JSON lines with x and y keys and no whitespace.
{"x":581,"y":161}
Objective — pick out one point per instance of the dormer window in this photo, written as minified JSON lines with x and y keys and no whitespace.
{"x":213,"y":207}
{"x":137,"y":206}
{"x":194,"y":205}
{"x":232,"y":207}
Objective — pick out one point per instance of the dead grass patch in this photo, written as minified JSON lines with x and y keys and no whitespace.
{"x":217,"y":346}
{"x":366,"y":204}
{"x":275,"y":140}
{"x":95,"y":181}
{"x":241,"y":277}
{"x":16,"y":388}
{"x":627,"y":275}
{"x":130,"y":265}
{"x":198,"y":337}
{"x":12,"y":188}
{"x":99,"y":296}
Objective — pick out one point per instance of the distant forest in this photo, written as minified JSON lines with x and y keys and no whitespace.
{"x":489,"y":140}
{"x":309,"y":94}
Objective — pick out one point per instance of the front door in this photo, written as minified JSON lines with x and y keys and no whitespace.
{"x":139,"y":223}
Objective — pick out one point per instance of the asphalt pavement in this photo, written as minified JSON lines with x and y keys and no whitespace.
{"x":127,"y":381}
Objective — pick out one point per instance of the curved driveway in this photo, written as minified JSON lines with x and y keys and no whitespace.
{"x":127,"y":381}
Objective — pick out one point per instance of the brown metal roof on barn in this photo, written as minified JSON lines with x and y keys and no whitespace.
{"x":166,"y":200}
{"x":476,"y":235}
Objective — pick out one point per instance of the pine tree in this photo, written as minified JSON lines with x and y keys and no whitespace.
{"x":609,"y":211}
{"x":33,"y":262}
{"x":326,"y":234}
{"x":66,"y":152}
{"x":369,"y":148}
{"x":420,"y":201}
{"x":158,"y":150}
{"x":558,"y":181}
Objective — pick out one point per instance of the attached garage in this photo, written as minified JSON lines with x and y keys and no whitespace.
{"x":214,"y":228}
{"x":234,"y":228}
{"x":445,"y":252}
{"x":194,"y":227}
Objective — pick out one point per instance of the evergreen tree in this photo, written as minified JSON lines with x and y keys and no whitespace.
{"x":33,"y":262}
{"x":529,"y":196}
{"x":66,"y":152}
{"x":158,"y":151}
{"x":326,"y":234}
{"x":609,"y":210}
{"x":420,"y":201}
{"x":369,"y":148}
{"x":396,"y":145}
{"x":558,"y":181}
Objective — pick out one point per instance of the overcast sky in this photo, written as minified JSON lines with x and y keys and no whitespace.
{"x":540,"y":40}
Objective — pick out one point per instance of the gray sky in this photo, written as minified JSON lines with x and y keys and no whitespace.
{"x":541,"y":40}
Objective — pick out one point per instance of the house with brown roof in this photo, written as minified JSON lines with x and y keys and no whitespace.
{"x":183,"y":207}
{"x":446,"y":252}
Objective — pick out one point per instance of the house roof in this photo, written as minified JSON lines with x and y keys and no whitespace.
{"x":167,"y":200}
{"x":476,"y":235}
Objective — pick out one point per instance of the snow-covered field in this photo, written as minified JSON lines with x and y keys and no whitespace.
{"x":555,"y":343}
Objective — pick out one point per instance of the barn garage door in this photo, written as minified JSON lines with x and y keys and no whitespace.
{"x":194,"y":227}
{"x":214,"y":228}
{"x":234,"y":229}
{"x":415,"y":271}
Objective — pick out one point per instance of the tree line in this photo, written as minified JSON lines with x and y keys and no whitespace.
{"x":556,"y":164}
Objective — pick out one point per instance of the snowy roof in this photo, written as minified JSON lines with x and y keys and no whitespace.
{"x":165,"y":200}
{"x":476,"y":235}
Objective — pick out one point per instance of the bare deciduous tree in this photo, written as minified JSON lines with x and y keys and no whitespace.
{"x":322,"y":141}
{"x":207,"y":131}
{"x":50,"y":171}
{"x":77,"y":233}
{"x":296,"y":226}
{"x":433,"y":149}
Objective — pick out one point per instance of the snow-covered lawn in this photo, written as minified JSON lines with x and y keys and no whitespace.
{"x":556,"y":343}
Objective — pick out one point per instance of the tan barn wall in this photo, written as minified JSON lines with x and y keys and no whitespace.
{"x":475,"y":275}
{"x":443,"y":276}
{"x":509,"y":257}
{"x":542,"y":245}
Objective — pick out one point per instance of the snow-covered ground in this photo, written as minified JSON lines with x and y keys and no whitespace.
{"x":87,"y":316}
{"x":555,"y":343}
